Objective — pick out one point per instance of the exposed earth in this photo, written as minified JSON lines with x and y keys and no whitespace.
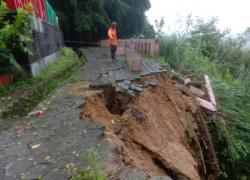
{"x":141,"y":125}
{"x":151,"y":129}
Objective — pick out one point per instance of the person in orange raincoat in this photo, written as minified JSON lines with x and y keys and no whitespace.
{"x":112,"y":35}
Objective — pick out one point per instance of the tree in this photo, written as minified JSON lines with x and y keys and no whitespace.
{"x":159,"y":25}
{"x":148,"y":30}
{"x":207,"y":37}
{"x":88,"y":20}
{"x":246,"y":34}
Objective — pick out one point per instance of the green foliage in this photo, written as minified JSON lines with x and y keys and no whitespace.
{"x":148,"y":30}
{"x":173,"y":49}
{"x":64,"y":61}
{"x":159,"y":25}
{"x":13,"y":36}
{"x":89,"y":20}
{"x":94,"y":169}
{"x":43,"y":84}
{"x":206,"y":36}
{"x":206,"y":50}
{"x":8,"y":63}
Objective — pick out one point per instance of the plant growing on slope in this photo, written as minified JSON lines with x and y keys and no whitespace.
{"x":207,"y":51}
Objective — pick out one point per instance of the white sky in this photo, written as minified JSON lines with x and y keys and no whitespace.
{"x":233,"y":14}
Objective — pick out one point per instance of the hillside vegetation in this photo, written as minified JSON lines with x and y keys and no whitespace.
{"x":204,"y":49}
{"x":88,"y":20}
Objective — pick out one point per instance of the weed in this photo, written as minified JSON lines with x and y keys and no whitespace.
{"x":94,"y":169}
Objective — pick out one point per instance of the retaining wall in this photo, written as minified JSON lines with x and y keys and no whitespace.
{"x":47,"y":41}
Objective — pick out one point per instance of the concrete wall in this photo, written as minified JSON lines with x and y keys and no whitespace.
{"x":37,"y":66}
{"x":148,"y":47}
{"x":48,"y":40}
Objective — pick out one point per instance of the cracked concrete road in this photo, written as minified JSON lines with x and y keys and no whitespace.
{"x":43,"y":148}
{"x":48,"y":144}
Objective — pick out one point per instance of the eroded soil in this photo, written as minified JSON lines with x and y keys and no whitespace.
{"x":155,"y":130}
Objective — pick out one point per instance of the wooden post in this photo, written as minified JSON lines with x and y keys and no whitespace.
{"x":206,"y":104}
{"x":210,"y":90}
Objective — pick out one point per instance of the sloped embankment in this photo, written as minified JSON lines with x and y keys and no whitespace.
{"x":155,"y":130}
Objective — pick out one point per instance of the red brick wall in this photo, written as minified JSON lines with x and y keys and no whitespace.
{"x":148,"y":47}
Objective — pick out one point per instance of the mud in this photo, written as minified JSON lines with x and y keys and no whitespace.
{"x":155,"y":131}
{"x":81,"y":88}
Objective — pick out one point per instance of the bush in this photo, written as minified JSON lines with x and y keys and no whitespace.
{"x":13,"y":36}
{"x":8,"y":63}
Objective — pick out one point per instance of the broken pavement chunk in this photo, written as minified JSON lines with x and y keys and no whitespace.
{"x":139,"y":85}
{"x":127,"y":82}
{"x":138,"y":89}
{"x":151,"y":83}
{"x":123,"y":86}
{"x":132,"y":87}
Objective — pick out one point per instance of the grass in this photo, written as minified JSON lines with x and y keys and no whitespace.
{"x":66,"y":59}
{"x":40,"y":86}
{"x":231,"y":131}
{"x":94,"y":169}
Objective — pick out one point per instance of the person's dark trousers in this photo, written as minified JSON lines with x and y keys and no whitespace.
{"x":113,"y":52}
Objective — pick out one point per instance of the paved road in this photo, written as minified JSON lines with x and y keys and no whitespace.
{"x":51,"y":143}
{"x":99,"y":70}
{"x":47,"y":146}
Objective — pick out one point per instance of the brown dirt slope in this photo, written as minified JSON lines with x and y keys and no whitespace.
{"x":152,"y":130}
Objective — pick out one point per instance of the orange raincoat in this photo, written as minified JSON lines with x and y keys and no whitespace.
{"x":112,"y":37}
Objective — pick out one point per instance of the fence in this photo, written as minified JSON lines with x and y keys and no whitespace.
{"x":148,"y":47}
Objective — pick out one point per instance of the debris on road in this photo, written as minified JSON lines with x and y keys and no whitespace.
{"x":35,"y":114}
{"x":35,"y":146}
{"x":19,"y":129}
